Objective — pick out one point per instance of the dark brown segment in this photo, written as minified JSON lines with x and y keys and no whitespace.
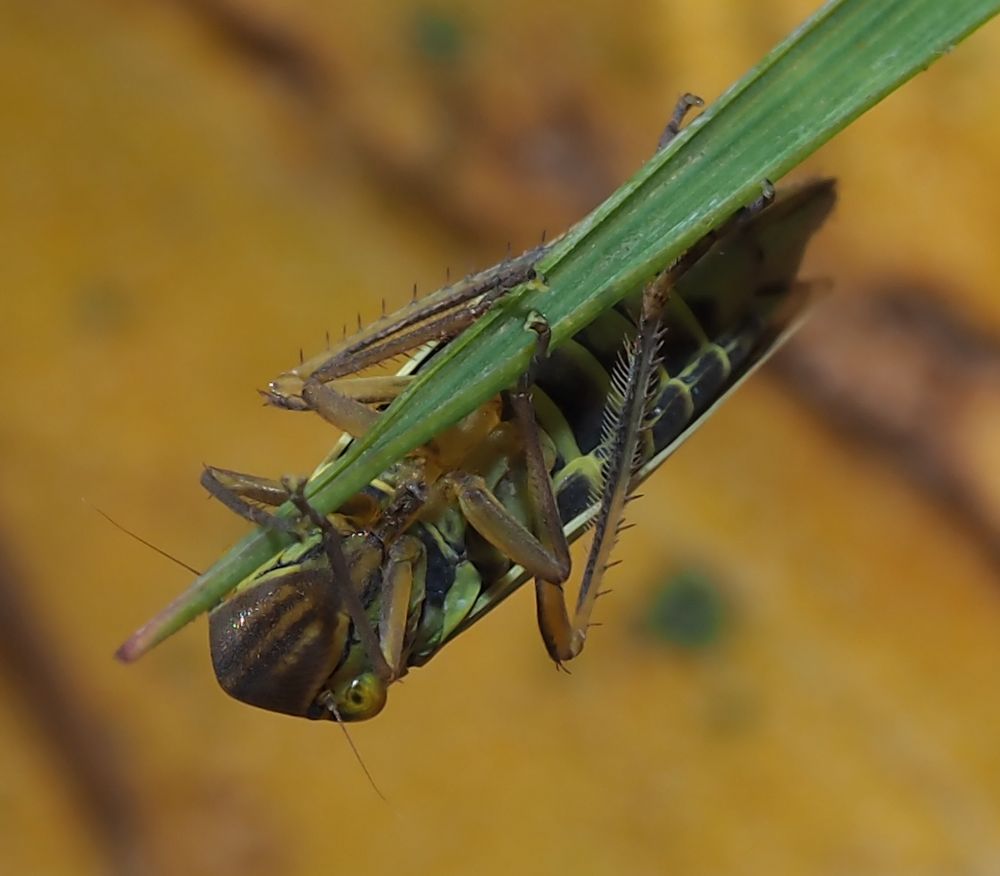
{"x":275,"y":644}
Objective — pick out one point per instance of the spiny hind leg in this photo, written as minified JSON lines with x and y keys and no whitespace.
{"x":440,"y":316}
{"x":626,"y":424}
{"x":542,"y":549}
{"x":345,"y":402}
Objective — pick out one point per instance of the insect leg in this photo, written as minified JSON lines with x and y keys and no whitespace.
{"x":239,"y":491}
{"x":407,"y":557}
{"x":242,"y":493}
{"x":439,"y":316}
{"x":545,"y":554}
{"x":340,"y":577}
{"x":337,"y":407}
{"x":732,"y":225}
{"x":685,"y":103}
{"x":626,"y":420}
{"x":372,"y":390}
{"x":487,"y":515}
{"x":372,"y":345}
{"x":344,"y":402}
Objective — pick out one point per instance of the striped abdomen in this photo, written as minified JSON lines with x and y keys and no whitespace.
{"x":723,"y":319}
{"x":725,"y":316}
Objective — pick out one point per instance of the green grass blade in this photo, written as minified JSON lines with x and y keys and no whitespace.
{"x":840,"y":63}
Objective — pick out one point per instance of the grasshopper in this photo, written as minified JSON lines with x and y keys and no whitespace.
{"x":442,"y":536}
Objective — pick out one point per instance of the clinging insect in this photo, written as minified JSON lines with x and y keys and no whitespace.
{"x":443,"y":535}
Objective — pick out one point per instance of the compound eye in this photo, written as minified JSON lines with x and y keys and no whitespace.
{"x":360,"y":698}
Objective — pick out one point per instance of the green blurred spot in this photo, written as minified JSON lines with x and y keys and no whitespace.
{"x":687,"y":610}
{"x":438,"y":36}
{"x":102,"y":308}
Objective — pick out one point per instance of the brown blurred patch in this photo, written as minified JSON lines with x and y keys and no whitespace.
{"x":86,"y":749}
{"x":906,"y":375}
{"x":466,"y":147}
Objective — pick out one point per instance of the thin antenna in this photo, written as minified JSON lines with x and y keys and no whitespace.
{"x":141,"y":540}
{"x":357,"y":754}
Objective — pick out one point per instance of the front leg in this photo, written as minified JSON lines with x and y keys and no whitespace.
{"x":243,"y":494}
{"x":542,"y":549}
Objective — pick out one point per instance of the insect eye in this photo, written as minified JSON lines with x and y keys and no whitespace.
{"x":361,"y":698}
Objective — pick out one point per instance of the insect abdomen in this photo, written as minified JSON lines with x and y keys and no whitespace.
{"x":722,"y":319}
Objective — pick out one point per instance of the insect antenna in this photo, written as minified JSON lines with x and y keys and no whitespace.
{"x":357,"y":754}
{"x":141,"y":540}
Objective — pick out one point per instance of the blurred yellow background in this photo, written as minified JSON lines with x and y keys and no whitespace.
{"x":190,"y":192}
